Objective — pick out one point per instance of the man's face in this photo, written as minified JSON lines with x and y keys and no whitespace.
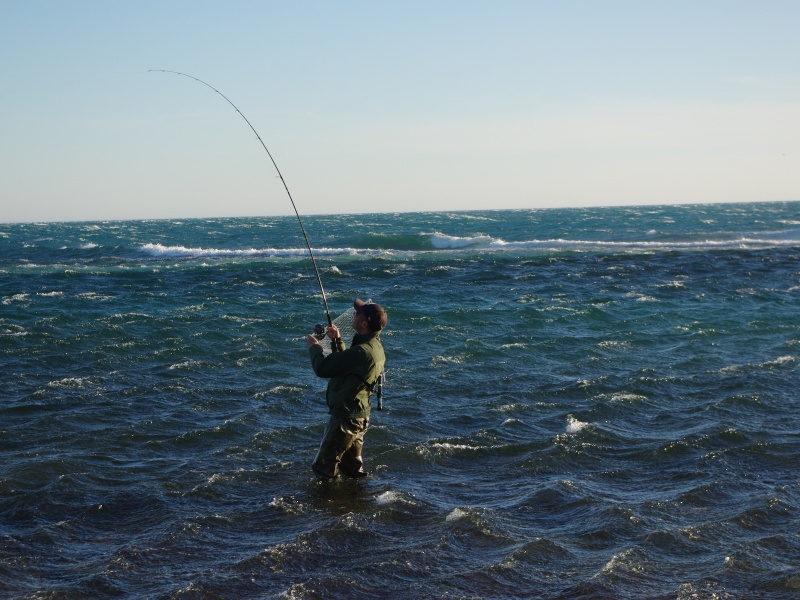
{"x":359,"y":322}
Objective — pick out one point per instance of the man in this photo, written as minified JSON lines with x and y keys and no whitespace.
{"x":353,"y":374}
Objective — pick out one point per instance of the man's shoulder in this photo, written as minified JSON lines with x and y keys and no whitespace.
{"x":372,"y":340}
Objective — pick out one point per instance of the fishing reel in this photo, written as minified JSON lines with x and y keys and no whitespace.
{"x":319,"y":331}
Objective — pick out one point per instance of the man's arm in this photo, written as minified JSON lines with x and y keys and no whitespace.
{"x":337,"y":363}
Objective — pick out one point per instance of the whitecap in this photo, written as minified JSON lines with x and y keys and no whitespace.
{"x":388,"y":497}
{"x":160,"y":250}
{"x":457,"y":514}
{"x":615,"y":344}
{"x":627,"y":397}
{"x":780,"y":361}
{"x":574,"y":425}
{"x":467,"y":216}
{"x":777,"y":362}
{"x":675,"y":285}
{"x":15,"y":298}
{"x":511,"y":407}
{"x":450,"y":447}
{"x":177,"y":251}
{"x":443,"y":241}
{"x":626,"y":561}
{"x":288,"y":505}
{"x":93,"y":296}
{"x":456,"y":360}
{"x":216,"y":478}
{"x":185,"y":364}
{"x":284,"y":388}
{"x":69,"y":383}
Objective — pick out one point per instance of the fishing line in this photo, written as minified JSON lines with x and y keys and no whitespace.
{"x":286,"y":187}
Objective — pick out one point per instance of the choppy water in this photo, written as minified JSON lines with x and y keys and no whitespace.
{"x":587,"y":403}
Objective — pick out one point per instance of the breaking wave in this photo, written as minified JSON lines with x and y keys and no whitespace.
{"x":161,"y":251}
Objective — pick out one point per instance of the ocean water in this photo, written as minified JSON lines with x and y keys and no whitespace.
{"x":580,"y":403}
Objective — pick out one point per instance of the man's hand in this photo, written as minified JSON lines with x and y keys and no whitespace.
{"x":333,"y":332}
{"x":310,"y":341}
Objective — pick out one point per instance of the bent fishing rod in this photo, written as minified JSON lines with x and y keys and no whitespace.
{"x":286,"y":187}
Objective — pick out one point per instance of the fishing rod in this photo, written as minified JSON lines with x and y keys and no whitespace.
{"x":286,"y":187}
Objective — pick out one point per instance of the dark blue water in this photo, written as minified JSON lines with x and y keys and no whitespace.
{"x":583,"y":403}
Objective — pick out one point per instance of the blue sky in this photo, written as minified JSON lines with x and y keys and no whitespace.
{"x":393,"y":106}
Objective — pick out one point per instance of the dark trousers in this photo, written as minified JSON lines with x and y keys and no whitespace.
{"x":340,"y":450}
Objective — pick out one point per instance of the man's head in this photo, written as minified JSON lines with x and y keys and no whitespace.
{"x":372,"y":314}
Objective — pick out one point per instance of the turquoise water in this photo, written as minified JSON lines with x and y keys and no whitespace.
{"x":581,"y":403}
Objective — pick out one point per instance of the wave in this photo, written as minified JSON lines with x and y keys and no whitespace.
{"x":429,"y":242}
{"x":161,"y":251}
{"x":366,"y":244}
{"x":445,"y":242}
{"x":441,"y":241}
{"x":699,"y":244}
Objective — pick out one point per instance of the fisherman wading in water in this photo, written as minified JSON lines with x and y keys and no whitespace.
{"x":353,"y":374}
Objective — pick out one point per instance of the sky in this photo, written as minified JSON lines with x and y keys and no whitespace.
{"x":387,"y":106}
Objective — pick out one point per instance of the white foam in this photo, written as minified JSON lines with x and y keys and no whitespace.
{"x":444,"y":242}
{"x":574,"y":425}
{"x":456,"y":514}
{"x":387,"y":498}
{"x":285,"y":389}
{"x":632,"y":245}
{"x":627,"y":397}
{"x":289,"y":505}
{"x":161,"y":250}
{"x":783,"y":360}
{"x":450,"y":447}
{"x":185,"y":364}
{"x":177,"y":251}
{"x":69,"y":383}
{"x":15,"y":298}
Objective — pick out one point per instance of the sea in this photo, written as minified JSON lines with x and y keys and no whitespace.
{"x":583,"y":403}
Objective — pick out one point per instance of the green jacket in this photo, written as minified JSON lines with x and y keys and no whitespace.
{"x":352,"y":374}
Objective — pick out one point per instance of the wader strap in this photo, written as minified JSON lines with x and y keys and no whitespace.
{"x":370,"y":387}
